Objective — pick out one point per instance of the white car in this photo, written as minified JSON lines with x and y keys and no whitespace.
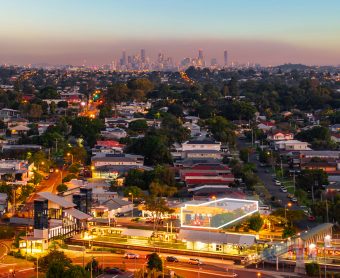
{"x":131,"y":256}
{"x":284,"y":190}
{"x":195,"y":261}
{"x":278,"y":182}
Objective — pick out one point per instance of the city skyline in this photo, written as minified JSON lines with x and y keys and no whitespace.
{"x":265,"y":32}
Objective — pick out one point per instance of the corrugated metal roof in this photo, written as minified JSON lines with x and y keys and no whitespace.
{"x":78,"y":214}
{"x":219,"y":238}
{"x":316,"y":230}
{"x":56,"y":199}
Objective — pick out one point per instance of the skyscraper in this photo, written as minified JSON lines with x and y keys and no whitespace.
{"x":142,"y":55}
{"x":123,"y":59}
{"x":200,"y":54}
{"x":225,"y":57}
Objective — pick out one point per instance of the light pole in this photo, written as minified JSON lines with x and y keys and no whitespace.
{"x":327,"y":241}
{"x":288,"y":205}
{"x":37,"y":266}
{"x":29,"y":228}
{"x":69,"y":154}
{"x":130,"y":194}
{"x":61,"y":174}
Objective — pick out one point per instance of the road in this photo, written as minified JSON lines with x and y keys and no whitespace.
{"x":49,"y":185}
{"x":210,"y":267}
{"x":273,"y":189}
{"x":265,"y":177}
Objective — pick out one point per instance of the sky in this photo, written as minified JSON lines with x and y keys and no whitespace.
{"x":268,"y":32}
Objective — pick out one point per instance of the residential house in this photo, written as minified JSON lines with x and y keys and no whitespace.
{"x":291,"y":145}
{"x":204,"y":144}
{"x":335,"y":128}
{"x":114,"y":133}
{"x":280,"y":136}
{"x":16,"y":170}
{"x":6,"y":114}
{"x":19,"y":130}
{"x":266,"y":126}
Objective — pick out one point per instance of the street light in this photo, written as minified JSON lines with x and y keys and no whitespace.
{"x":288,"y":205}
{"x":130,"y":194}
{"x":61,"y":174}
{"x":69,"y":154}
{"x":258,"y":274}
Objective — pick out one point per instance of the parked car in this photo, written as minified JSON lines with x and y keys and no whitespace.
{"x":294,"y":199}
{"x":131,"y":256}
{"x":171,"y":259}
{"x":311,"y":218}
{"x":195,"y":261}
{"x":119,"y":214}
{"x":284,"y":190}
{"x":277,"y":182}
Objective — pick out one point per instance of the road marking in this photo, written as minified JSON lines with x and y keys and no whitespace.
{"x":202,"y":271}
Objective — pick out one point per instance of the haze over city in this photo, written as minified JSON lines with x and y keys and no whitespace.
{"x":169,"y":138}
{"x":78,"y":32}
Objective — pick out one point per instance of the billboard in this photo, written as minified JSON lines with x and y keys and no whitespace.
{"x":216,"y":214}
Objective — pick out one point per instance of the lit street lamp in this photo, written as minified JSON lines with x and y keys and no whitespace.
{"x":288,"y":205}
{"x":61,"y":174}
{"x":130,"y":194}
{"x":69,"y":154}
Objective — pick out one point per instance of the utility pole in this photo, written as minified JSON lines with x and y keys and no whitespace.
{"x":327,"y":217}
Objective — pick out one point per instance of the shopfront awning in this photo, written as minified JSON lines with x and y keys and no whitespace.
{"x":218,"y":238}
{"x":137,"y":233}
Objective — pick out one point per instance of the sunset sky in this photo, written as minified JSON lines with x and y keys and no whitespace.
{"x":262,"y":31}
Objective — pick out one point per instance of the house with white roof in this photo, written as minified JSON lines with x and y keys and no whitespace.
{"x":291,"y":145}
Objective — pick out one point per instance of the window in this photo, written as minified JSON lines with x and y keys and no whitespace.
{"x":219,"y":247}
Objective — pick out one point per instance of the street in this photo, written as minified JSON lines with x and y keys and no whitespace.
{"x":209,"y":268}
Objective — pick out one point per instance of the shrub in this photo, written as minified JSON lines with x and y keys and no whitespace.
{"x":312,"y":269}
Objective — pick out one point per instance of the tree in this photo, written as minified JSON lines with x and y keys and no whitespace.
{"x":139,"y":126}
{"x":288,"y":231}
{"x":312,"y":269}
{"x":315,"y":178}
{"x":155,"y":262}
{"x":255,"y":222}
{"x":134,"y":190}
{"x":87,"y":128}
{"x":76,"y":271}
{"x":54,"y":256}
{"x":55,"y":270}
{"x":53,"y":107}
{"x":161,"y":190}
{"x":136,"y":177}
{"x":153,"y":147}
{"x":35,"y":111}
{"x":222,"y":129}
{"x":164,"y":174}
{"x":158,"y":207}
{"x":48,"y":93}
{"x":244,"y":154}
{"x":289,"y":215}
